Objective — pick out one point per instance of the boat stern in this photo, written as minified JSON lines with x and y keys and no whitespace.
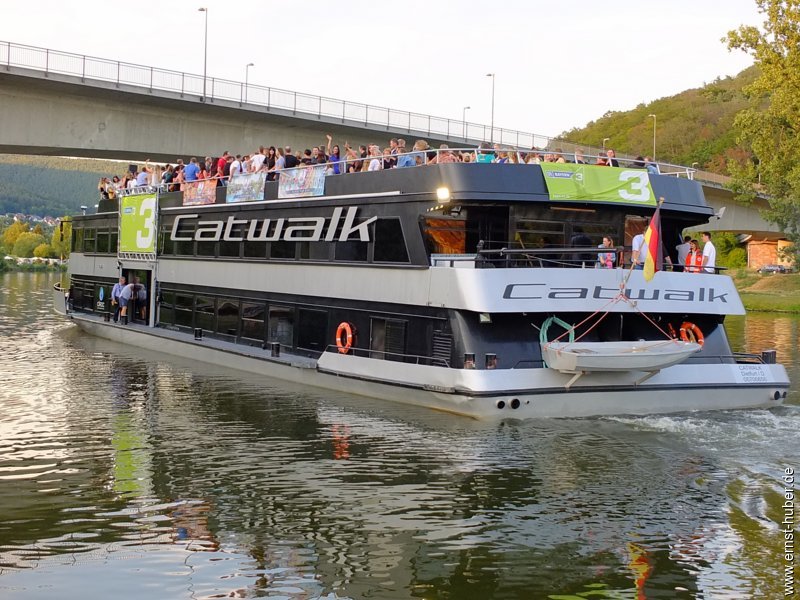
{"x":60,"y":299}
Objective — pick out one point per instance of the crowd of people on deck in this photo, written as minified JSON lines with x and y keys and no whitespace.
{"x":337,"y":160}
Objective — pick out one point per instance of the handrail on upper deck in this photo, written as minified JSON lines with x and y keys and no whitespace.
{"x":421,"y":158}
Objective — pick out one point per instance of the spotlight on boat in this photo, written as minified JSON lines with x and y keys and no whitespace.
{"x":443,"y":194}
{"x":491,"y":361}
{"x":484,"y":318}
{"x":84,"y":209}
{"x":469,"y":360}
{"x":198,"y":333}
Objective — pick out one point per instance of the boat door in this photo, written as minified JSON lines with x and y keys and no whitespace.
{"x":139,"y":308}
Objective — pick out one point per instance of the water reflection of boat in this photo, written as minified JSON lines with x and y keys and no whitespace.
{"x":428,"y":286}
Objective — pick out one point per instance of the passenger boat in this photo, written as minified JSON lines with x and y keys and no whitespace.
{"x":428,"y":285}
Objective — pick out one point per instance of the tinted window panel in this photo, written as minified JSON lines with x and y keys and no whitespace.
{"x":281,"y":325}
{"x":253,"y":321}
{"x":312,"y":329}
{"x":228,"y":317}
{"x":390,"y":245}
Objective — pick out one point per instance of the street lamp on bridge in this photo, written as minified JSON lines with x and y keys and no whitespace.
{"x":464,"y":121}
{"x":205,"y":51}
{"x":491,"y":134}
{"x":604,"y":143}
{"x":246,"y":78}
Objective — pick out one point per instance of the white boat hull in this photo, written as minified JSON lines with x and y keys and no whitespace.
{"x":492,"y":394}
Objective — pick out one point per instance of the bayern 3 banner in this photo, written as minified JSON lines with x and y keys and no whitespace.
{"x":200,"y":192}
{"x":302,"y":182}
{"x":246,"y":187}
{"x":137,"y":223}
{"x":592,"y":183}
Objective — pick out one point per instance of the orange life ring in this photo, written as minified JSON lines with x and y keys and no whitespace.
{"x":691,"y":333}
{"x":345,"y":336}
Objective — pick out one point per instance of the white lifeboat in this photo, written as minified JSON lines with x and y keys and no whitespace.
{"x":587,"y":357}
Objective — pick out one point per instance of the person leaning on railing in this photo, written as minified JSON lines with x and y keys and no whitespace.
{"x":443,"y":156}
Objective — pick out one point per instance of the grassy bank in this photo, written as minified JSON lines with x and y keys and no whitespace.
{"x":774,"y":292}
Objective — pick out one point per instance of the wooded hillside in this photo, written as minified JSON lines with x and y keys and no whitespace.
{"x":693,"y":126}
{"x":51,"y":186}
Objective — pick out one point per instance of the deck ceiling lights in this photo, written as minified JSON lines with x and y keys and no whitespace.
{"x":443,"y":194}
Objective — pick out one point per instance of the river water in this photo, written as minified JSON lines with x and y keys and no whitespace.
{"x":131,"y":475}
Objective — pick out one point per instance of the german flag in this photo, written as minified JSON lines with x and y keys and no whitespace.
{"x":652,"y":239}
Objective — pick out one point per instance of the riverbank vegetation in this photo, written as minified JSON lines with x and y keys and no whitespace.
{"x":771,"y":292}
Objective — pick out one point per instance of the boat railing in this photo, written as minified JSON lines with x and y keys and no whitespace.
{"x":403,"y":357}
{"x":584,"y":256}
{"x":422,"y":157}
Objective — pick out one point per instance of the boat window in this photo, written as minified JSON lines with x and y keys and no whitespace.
{"x":166,"y":246}
{"x":594,"y":231}
{"x":89,"y":239}
{"x":87,"y":300}
{"x":228,"y":317}
{"x":281,"y":325}
{"x":387,"y":339}
{"x":352,"y":251}
{"x":184,"y":305}
{"x":314,"y":250}
{"x":285,"y":250}
{"x":113,"y":240}
{"x":531,"y":234}
{"x":77,"y":239}
{"x":232,"y":249}
{"x":312,"y":329}
{"x":166,"y":311}
{"x":204,"y":313}
{"x":255,"y":249}
{"x":390,"y":244}
{"x":253,"y":322}
{"x":445,"y":236}
{"x":182,"y":247}
{"x":102,"y":241}
{"x":206,"y":248}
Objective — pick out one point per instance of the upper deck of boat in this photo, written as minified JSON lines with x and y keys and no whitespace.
{"x":463,"y":182}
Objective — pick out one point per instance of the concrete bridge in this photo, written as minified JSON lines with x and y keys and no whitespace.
{"x":57,"y":103}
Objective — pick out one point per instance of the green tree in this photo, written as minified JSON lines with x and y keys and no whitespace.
{"x":42,"y":251}
{"x":62,"y":237}
{"x":769,"y":126}
{"x":25,"y":244}
{"x":38,"y":229}
{"x":12,"y":232}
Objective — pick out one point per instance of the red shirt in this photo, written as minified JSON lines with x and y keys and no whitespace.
{"x":221,"y":165}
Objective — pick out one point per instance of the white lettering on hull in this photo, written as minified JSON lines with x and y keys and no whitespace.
{"x":306,"y":229}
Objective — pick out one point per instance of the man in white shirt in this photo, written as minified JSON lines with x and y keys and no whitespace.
{"x":236,"y":166}
{"x":115,"y":293}
{"x":709,"y":254}
{"x":638,"y":251}
{"x":257,"y":160}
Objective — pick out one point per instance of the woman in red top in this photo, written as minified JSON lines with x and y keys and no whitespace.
{"x":694,"y":260}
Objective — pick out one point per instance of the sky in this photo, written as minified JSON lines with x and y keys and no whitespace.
{"x":557,"y":65}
